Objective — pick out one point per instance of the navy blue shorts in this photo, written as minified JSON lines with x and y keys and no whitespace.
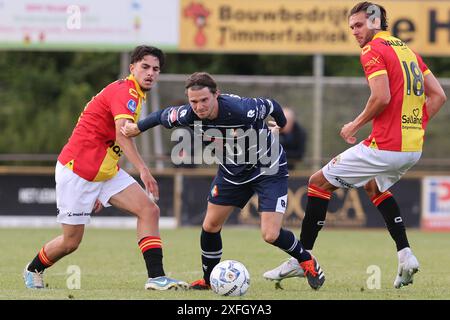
{"x":271,"y":190}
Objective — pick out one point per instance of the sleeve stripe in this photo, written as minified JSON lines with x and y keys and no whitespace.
{"x":428,"y":71}
{"x":271,"y":106}
{"x":376,"y":73}
{"x":123,"y":116}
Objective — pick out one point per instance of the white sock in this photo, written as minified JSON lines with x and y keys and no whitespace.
{"x":404,"y":253}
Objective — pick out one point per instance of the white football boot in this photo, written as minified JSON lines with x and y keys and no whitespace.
{"x":288,"y":269}
{"x":407,"y":267}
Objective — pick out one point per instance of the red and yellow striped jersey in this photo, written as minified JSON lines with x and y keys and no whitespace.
{"x":401,"y":125}
{"x":92,"y":151}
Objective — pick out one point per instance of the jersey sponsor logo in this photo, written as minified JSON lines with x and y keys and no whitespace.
{"x":250,"y":113}
{"x":114,"y":147}
{"x":372,"y":61}
{"x":131,"y":105}
{"x":366,"y":49}
{"x":133,"y":93}
{"x":414,"y":118}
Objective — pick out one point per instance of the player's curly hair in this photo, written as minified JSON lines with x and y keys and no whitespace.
{"x":141,"y":51}
{"x":200,"y":80}
{"x":369,"y":8}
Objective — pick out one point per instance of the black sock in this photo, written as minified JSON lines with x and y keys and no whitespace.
{"x":390,"y":211}
{"x":40,"y":262}
{"x":151,"y":248}
{"x":315,"y":213}
{"x":289,"y":243}
{"x":211,"y":245}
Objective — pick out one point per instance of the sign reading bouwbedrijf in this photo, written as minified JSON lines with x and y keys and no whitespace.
{"x":309,"y":26}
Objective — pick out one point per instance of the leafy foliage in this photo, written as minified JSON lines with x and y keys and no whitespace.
{"x":43,"y":93}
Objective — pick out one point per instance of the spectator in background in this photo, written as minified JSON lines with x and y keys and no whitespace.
{"x":293,"y":139}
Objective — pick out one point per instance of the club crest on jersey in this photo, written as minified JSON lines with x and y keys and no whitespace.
{"x":366,"y":49}
{"x":133,"y":93}
{"x":336,"y":160}
{"x":214,"y":191}
{"x":131,"y":105}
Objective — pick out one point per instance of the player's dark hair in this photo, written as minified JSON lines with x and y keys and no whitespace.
{"x":368,"y":8}
{"x":200,"y":80}
{"x":141,"y":51}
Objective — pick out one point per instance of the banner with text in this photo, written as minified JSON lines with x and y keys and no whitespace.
{"x":35,"y":195}
{"x":348,"y":208}
{"x":310,"y":26}
{"x":88,"y":25}
{"x":436,"y":204}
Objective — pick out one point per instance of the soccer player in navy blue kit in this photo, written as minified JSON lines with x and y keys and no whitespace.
{"x":236,"y":181}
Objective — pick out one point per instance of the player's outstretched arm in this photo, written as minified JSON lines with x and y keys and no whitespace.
{"x":133,"y":129}
{"x":435,"y":95}
{"x":277,"y":113}
{"x":169,"y":117}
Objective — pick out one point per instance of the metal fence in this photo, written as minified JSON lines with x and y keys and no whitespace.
{"x":322,"y":106}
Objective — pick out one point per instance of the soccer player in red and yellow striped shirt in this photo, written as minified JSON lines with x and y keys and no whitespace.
{"x":405,"y":95}
{"x":88,"y":176}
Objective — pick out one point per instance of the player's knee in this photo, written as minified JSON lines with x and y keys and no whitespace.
{"x":370,"y":190}
{"x":270,"y":236}
{"x":70,"y":246}
{"x":153,"y":210}
{"x":211,"y":227}
{"x":315,"y":179}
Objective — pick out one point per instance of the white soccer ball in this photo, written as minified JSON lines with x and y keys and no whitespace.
{"x":230,"y":278}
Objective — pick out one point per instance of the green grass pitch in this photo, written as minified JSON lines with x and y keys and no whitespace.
{"x":112,"y":266}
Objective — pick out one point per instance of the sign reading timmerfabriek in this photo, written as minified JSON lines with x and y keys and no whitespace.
{"x":307,"y":26}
